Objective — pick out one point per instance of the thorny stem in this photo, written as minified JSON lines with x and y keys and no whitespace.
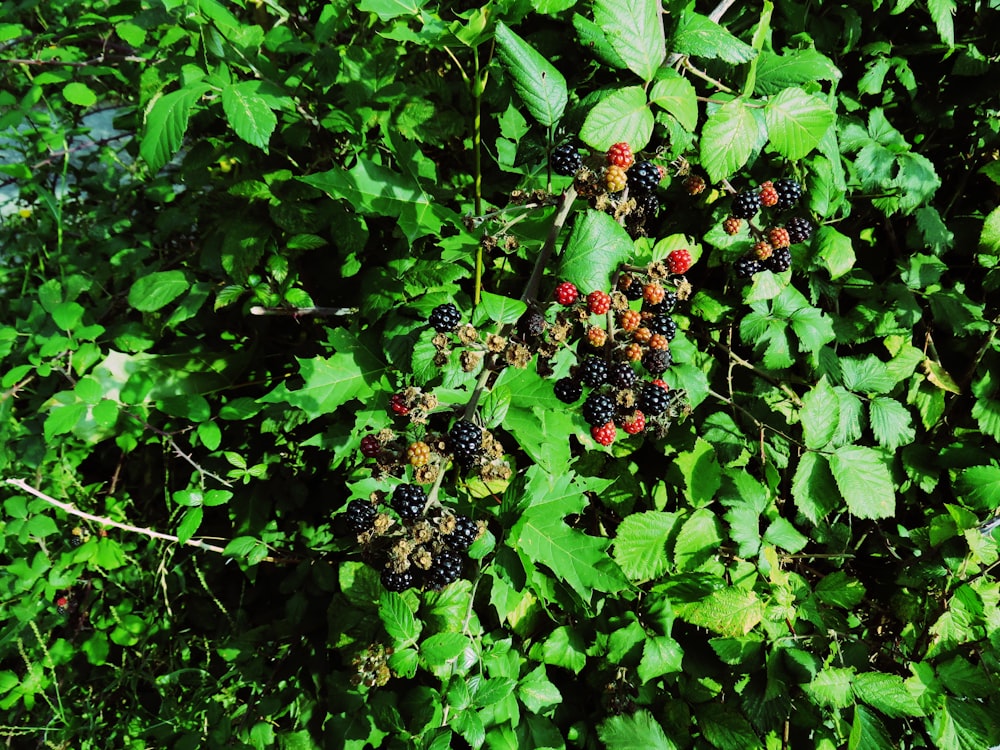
{"x":762,"y":425}
{"x":297,"y":312}
{"x":69,"y":508}
{"x":793,"y":397}
{"x":202,"y":472}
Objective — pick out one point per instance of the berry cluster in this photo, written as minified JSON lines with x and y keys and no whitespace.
{"x":770,"y":248}
{"x":411,"y":539}
{"x":624,"y":348}
{"x":614,"y":181}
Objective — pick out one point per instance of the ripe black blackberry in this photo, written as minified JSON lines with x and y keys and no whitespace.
{"x":532,"y":323}
{"x":631,"y":287}
{"x":745,"y":205}
{"x":656,"y":361}
{"x":643,"y":177}
{"x":408,"y":501}
{"x":444,"y":318}
{"x":799,"y":229}
{"x":466,"y":440}
{"x":593,"y":371}
{"x":568,"y":390}
{"x":566,"y":159}
{"x":662,"y":308}
{"x":663,"y":325}
{"x":780,"y":260}
{"x":622,"y":375}
{"x":653,"y":399}
{"x":446,"y":568}
{"x":465,"y":533}
{"x":398,"y":582}
{"x":649,"y":204}
{"x":360,"y":516}
{"x":747,"y":266}
{"x":789,"y":194}
{"x":598,"y":409}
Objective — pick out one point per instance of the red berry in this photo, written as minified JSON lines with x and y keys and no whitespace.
{"x":597,"y":336}
{"x":679,"y":261}
{"x":762,"y":250}
{"x":620,"y":155}
{"x":653,"y":293}
{"x":605,"y":435}
{"x":598,"y":302}
{"x":661,"y":383}
{"x":370,"y":446}
{"x":768,"y":195}
{"x":566,"y":293}
{"x":779,"y":237}
{"x":398,"y":404}
{"x":694,"y":184}
{"x":629,"y":320}
{"x":732,"y":225}
{"x":634,"y":423}
{"x":633,"y":352}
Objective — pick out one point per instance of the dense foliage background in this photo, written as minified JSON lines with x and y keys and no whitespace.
{"x":224,"y":227}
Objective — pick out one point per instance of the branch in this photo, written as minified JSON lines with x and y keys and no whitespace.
{"x":69,"y":508}
{"x":297,"y":312}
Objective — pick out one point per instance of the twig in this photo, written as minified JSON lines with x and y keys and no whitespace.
{"x":792,"y":395}
{"x":562,"y":212}
{"x":297,"y":312}
{"x":202,"y":472}
{"x":69,"y":508}
{"x":761,"y":425}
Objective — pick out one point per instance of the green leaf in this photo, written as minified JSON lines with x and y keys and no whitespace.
{"x":537,"y":419}
{"x":564,"y":648}
{"x":190,"y":522}
{"x":542,"y":535}
{"x":640,"y":731}
{"x":796,"y":122}
{"x":660,"y":655}
{"x":832,"y":687}
{"x":63,"y":418}
{"x":862,"y":475}
{"x":887,"y":693}
{"x":500,"y":309}
{"x":989,"y":237}
{"x":820,"y":415}
{"x":678,"y":96}
{"x":731,"y":612}
{"x":635,"y":31}
{"x":375,"y":190}
{"x":891,"y":422}
{"x":834,"y":250}
{"x":596,"y":247}
{"x":698,"y":540}
{"x":330,"y":382}
{"x":866,"y":374}
{"x":979,"y":486}
{"x":79,"y":94}
{"x":536,"y":692}
{"x":699,"y":36}
{"x":963,"y":725}
{"x":398,"y":619}
{"x":728,"y":138}
{"x":156,"y":290}
{"x":541,"y":87}
{"x":386,"y":10}
{"x":868,"y":732}
{"x":726,"y":729}
{"x":701,"y":472}
{"x":943,"y":13}
{"x":440,"y":648}
{"x":248,"y":113}
{"x":623,"y":115}
{"x":641,"y":544}
{"x":840,"y":590}
{"x":781,"y":533}
{"x":776,"y":72}
{"x":166,"y":123}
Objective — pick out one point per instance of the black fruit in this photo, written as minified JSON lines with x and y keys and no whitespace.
{"x":622,"y":375}
{"x":747,"y":267}
{"x":566,"y":160}
{"x":446,"y":568}
{"x":568,"y":390}
{"x":398,"y":582}
{"x":643,"y":177}
{"x":663,"y":325}
{"x":408,"y":501}
{"x":444,"y":318}
{"x":532,"y":324}
{"x":656,"y":361}
{"x":799,"y":229}
{"x":466,"y":440}
{"x":465,"y":533}
{"x":745,"y":205}
{"x":598,"y":409}
{"x":780,"y":260}
{"x":789,"y":194}
{"x":654,"y":399}
{"x":360,"y":516}
{"x":593,"y":371}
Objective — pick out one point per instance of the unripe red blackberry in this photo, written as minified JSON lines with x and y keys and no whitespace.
{"x":679,"y":261}
{"x":566,"y":293}
{"x":653,"y":293}
{"x":370,"y":446}
{"x":596,"y":336}
{"x":778,"y":237}
{"x":604,"y":434}
{"x":732,"y":225}
{"x":632,"y":352}
{"x":398,"y":404}
{"x":657,"y":341}
{"x":598,"y":302}
{"x":629,"y":320}
{"x":694,"y":184}
{"x":762,"y":250}
{"x":768,"y":195}
{"x":634,"y":423}
{"x":620,"y":155}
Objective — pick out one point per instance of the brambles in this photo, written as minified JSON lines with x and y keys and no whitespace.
{"x":799,"y":229}
{"x":789,"y":194}
{"x":769,"y":249}
{"x":466,"y":440}
{"x":745,"y":205}
{"x":360,"y":516}
{"x":408,"y":501}
{"x":568,"y":390}
{"x":694,"y":184}
{"x":643,"y":177}
{"x":370,"y":446}
{"x":598,"y":302}
{"x":598,"y":409}
{"x":604,"y":434}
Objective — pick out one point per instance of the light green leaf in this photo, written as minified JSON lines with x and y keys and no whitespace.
{"x":820,"y":414}
{"x":834,"y":251}
{"x":398,"y":619}
{"x":726,"y":729}
{"x":386,"y":10}
{"x":156,"y":290}
{"x":701,"y":472}
{"x":862,"y":475}
{"x":731,"y":611}
{"x":698,"y":540}
{"x":166,"y":123}
{"x":248,"y":113}
{"x":596,"y":247}
{"x":887,"y":693}
{"x":891,"y":422}
{"x":781,"y":533}
{"x":641,"y":544}
{"x":190,"y":522}
{"x":541,"y":87}
{"x":989,"y":237}
{"x":79,"y":94}
{"x":943,"y":13}
{"x":699,"y":36}
{"x":678,"y":96}
{"x":796,"y":122}
{"x":440,"y":648}
{"x":832,"y":687}
{"x":635,"y":31}
{"x":730,"y":135}
{"x":640,"y":731}
{"x":624,"y":115}
{"x":500,"y":309}
{"x":979,"y":486}
{"x":776,"y":72}
{"x":660,"y":655}
{"x":536,"y":692}
{"x":840,"y":590}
